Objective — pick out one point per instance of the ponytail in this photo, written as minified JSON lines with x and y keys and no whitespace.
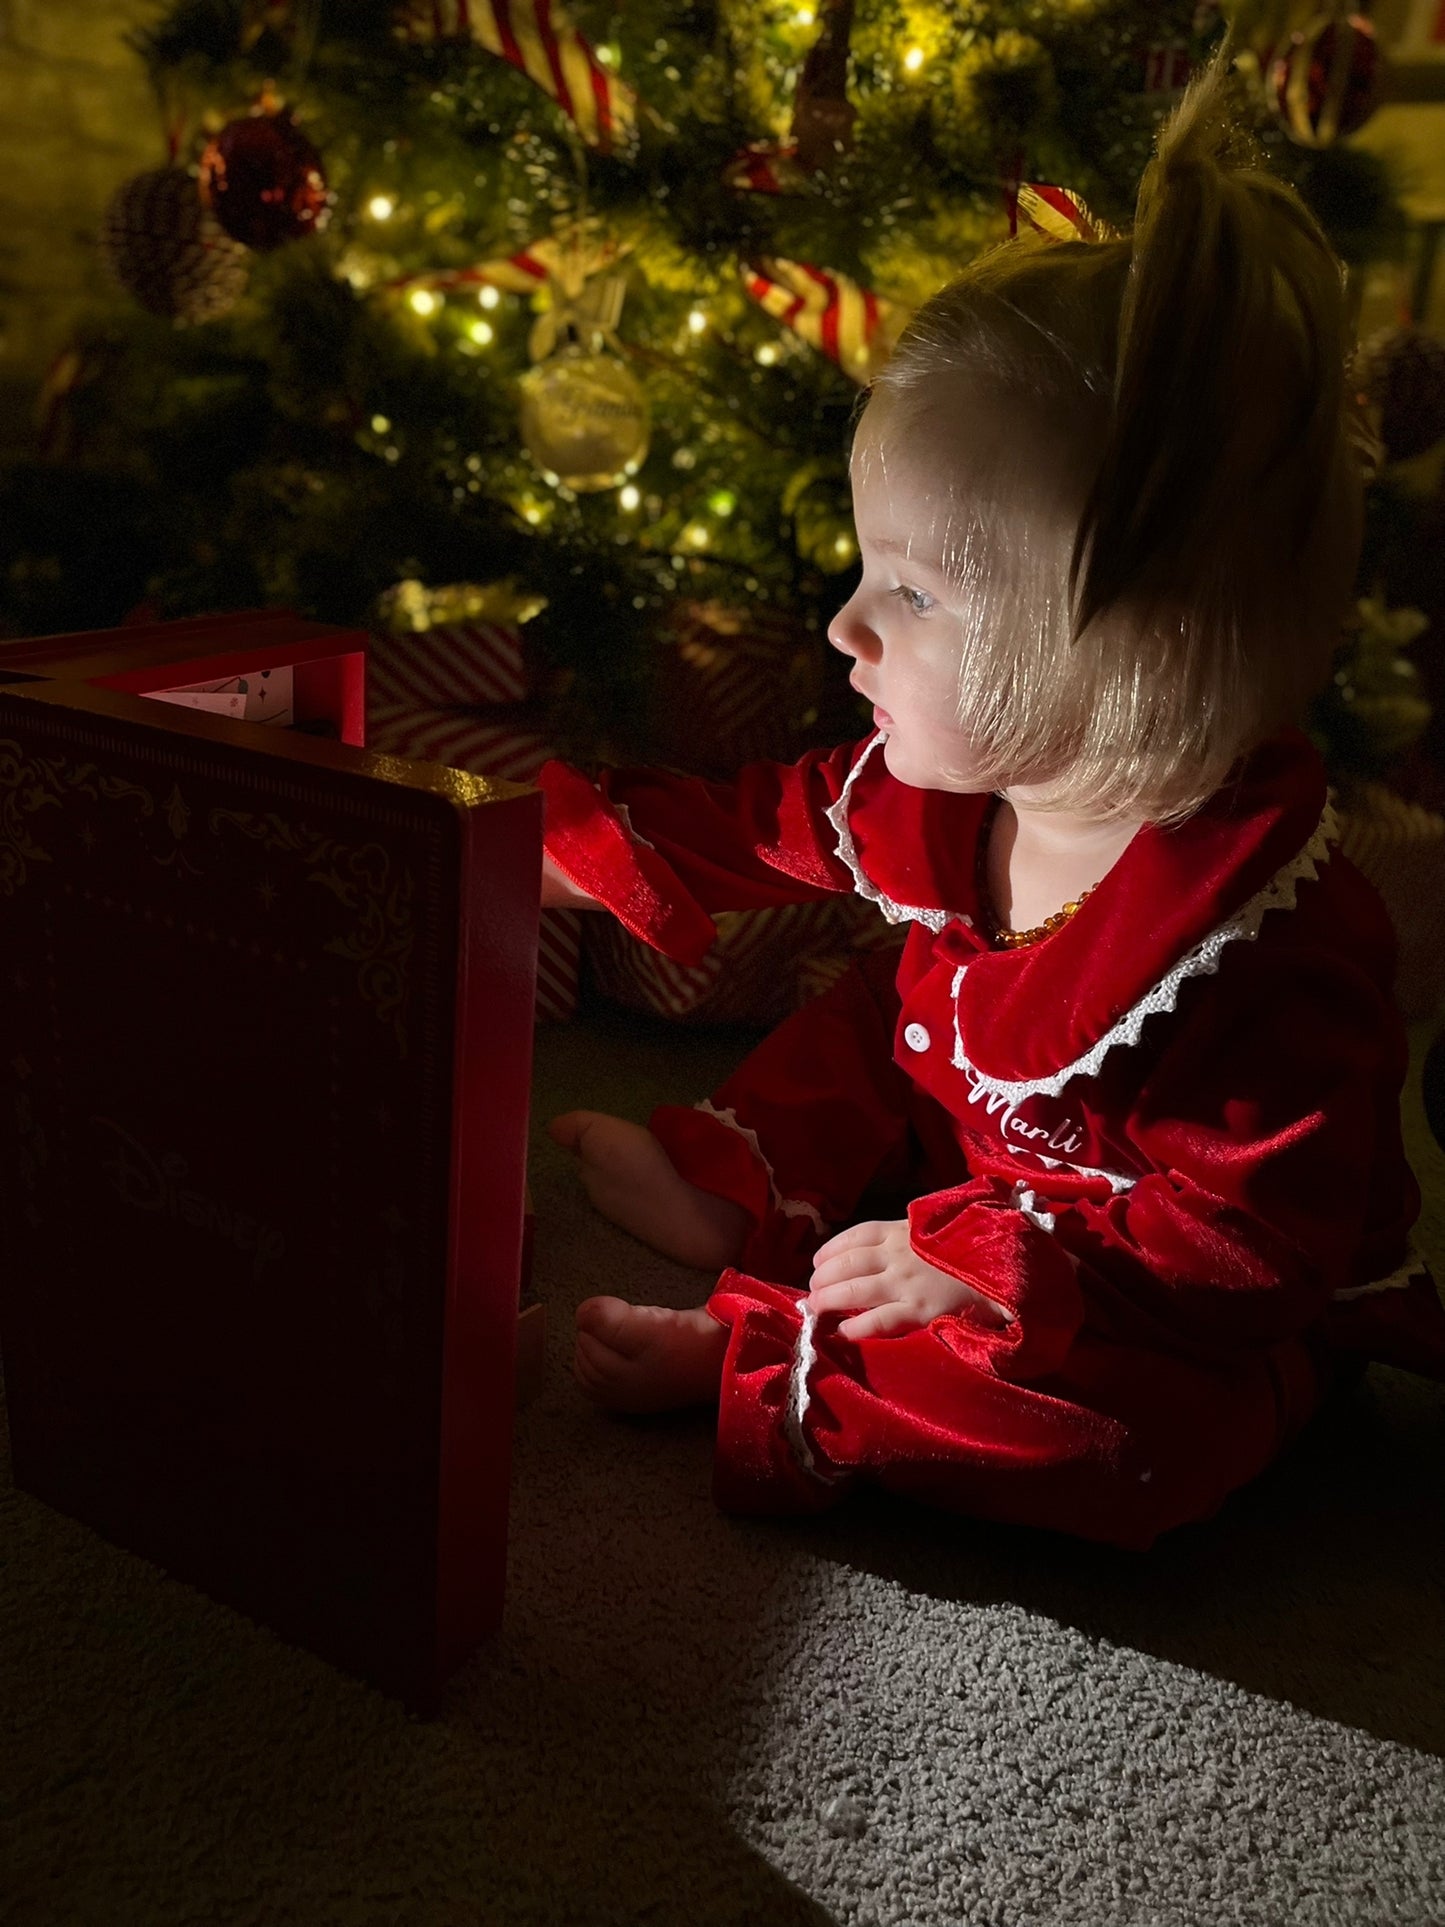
{"x":1156,"y":545}
{"x":1225,"y":434}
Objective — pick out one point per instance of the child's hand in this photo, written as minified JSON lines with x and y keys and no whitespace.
{"x":559,"y":892}
{"x":873,"y":1270}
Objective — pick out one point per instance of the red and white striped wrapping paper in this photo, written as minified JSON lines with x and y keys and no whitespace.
{"x":453,"y":664}
{"x":821,"y":970}
{"x":751,"y":974}
{"x":732,"y":686}
{"x":490,"y":747}
{"x":819,"y":973}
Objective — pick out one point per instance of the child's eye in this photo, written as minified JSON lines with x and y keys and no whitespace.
{"x":918,"y":600}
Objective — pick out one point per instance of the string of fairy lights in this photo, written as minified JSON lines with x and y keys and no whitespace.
{"x":473,"y":318}
{"x":469,"y":320}
{"x":706,"y":424}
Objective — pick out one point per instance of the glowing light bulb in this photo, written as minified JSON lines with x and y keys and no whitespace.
{"x":697,"y":321}
{"x":482,"y":332}
{"x":722,"y":502}
{"x":843,"y":547}
{"x":696,"y":535}
{"x":424,"y":301}
{"x":488,"y":296}
{"x":379,"y":424}
{"x":532,"y":512}
{"x":804,"y":17}
{"x":629,"y":498}
{"x":914,"y":59}
{"x":767,"y":354}
{"x":381,"y":207}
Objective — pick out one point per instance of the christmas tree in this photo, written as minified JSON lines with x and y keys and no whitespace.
{"x":438,"y":308}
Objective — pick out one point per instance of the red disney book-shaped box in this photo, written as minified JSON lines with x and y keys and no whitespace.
{"x":265,"y":1054}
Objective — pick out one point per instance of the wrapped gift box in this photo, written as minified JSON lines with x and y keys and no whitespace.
{"x":732,"y":686}
{"x":450,"y":665}
{"x":1400,"y":846}
{"x":752,"y":975}
{"x":265,"y":1059}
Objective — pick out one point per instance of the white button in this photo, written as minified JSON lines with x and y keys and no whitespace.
{"x":916,"y":1037}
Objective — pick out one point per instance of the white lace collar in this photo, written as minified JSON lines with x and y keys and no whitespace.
{"x":864,"y":886}
{"x":1202,"y":960}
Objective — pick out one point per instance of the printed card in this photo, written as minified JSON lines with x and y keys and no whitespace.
{"x":216,"y":702}
{"x":259,"y":696}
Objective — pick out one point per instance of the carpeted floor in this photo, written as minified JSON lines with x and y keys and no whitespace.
{"x":887,"y":1717}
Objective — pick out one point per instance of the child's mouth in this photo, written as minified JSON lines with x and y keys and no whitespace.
{"x":881,"y":718}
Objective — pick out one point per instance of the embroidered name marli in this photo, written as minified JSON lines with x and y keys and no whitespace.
{"x":1066,"y":1138}
{"x":1065,"y":1135}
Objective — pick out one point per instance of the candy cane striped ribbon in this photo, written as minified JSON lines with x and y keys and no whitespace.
{"x":765,"y":167}
{"x":521,"y":273}
{"x":544,"y":45}
{"x":1060,"y":214}
{"x":848,"y":323}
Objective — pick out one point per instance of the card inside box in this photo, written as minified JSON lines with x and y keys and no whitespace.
{"x":325,"y":665}
{"x":264,"y":1062}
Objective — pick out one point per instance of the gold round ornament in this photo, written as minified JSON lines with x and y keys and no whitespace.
{"x":585,"y":419}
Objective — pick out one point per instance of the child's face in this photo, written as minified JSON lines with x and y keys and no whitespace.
{"x":904,"y":625}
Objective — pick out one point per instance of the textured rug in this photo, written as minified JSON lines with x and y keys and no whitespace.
{"x":886,"y":1717}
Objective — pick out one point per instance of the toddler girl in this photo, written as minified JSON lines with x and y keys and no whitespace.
{"x":1121,"y":1119}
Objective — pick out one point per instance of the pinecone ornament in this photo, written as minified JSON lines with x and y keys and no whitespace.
{"x":168,"y":251}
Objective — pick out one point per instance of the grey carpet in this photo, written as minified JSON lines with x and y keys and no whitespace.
{"x":885,"y":1717}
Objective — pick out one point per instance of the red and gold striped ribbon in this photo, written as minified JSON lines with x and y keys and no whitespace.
{"x":541,"y":42}
{"x":766,"y":167}
{"x":523,"y":272}
{"x":1060,"y":214}
{"x":841,"y":319}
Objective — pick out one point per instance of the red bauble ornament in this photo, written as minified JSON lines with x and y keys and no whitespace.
{"x":168,"y":251}
{"x":1325,"y":80}
{"x":1403,"y":372}
{"x":262,"y":179}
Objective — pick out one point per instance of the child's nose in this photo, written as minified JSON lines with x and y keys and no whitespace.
{"x":852,"y":635}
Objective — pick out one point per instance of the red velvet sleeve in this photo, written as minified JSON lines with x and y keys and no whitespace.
{"x":1269,"y":1126}
{"x":664,"y":852}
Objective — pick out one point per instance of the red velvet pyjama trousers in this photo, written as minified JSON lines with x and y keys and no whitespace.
{"x":1050,"y":1425}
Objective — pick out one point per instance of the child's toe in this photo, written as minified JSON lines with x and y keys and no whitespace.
{"x":567,"y":1129}
{"x":602,"y":1319}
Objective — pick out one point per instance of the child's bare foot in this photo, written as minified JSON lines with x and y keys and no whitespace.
{"x":647,"y":1358}
{"x":632,"y":1181}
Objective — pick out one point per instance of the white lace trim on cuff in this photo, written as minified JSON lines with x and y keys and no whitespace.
{"x":1026,"y":1201}
{"x":1117,"y":1180}
{"x":805,"y":1356}
{"x":1397,"y":1280}
{"x":1203,"y":960}
{"x":863,"y":886}
{"x":790,"y":1207}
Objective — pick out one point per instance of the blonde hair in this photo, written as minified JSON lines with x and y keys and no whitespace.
{"x":1157,"y":561}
